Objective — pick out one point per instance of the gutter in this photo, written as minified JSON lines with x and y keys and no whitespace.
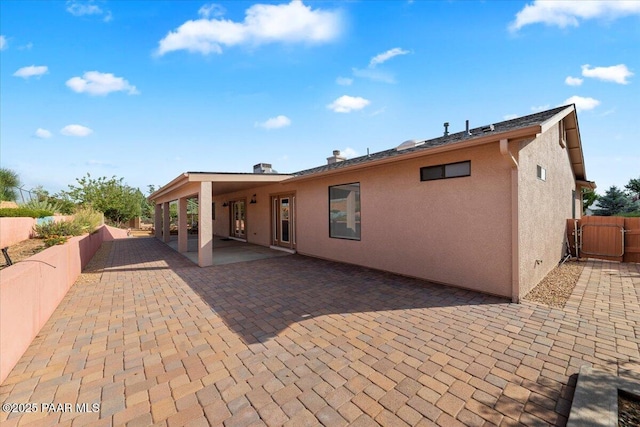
{"x":515,"y":233}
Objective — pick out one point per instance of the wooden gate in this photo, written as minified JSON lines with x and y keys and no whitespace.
{"x":612,"y":238}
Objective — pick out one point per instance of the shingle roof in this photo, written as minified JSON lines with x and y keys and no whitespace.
{"x":505,"y":126}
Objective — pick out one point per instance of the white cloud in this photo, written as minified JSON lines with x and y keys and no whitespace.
{"x":83,"y":8}
{"x":3,"y":43}
{"x":385,"y":56}
{"x":344,"y":81}
{"x":263,"y":23}
{"x":32,"y":70}
{"x":510,"y":116}
{"x":374,"y":75}
{"x":209,"y":10}
{"x":76,"y":130}
{"x":275,"y":122}
{"x":96,"y":83}
{"x":569,"y":13}
{"x":42,"y":133}
{"x":347,"y":104}
{"x":573,"y":81}
{"x":27,"y":46}
{"x":582,"y":103}
{"x":615,"y":73}
{"x":537,"y":108}
{"x":349,"y":153}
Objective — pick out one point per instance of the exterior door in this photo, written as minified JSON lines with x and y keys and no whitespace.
{"x":238,"y":219}
{"x":283,"y":227}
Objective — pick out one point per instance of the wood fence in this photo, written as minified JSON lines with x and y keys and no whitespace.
{"x":612,"y":238}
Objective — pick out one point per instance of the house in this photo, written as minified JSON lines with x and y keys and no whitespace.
{"x":483,"y":209}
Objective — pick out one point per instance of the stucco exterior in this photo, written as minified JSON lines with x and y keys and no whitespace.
{"x":543,"y":205}
{"x":499,"y":230}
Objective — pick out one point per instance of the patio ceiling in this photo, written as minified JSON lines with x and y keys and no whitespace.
{"x":188,"y":184}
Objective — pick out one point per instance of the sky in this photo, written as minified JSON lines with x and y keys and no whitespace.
{"x":147,"y":90}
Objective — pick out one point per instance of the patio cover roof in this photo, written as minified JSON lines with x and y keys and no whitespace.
{"x":188,"y":184}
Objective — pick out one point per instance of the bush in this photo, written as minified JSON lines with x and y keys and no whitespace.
{"x":630,"y":214}
{"x":60,"y":228}
{"x":43,"y":205}
{"x":24,"y":213}
{"x":88,"y":219}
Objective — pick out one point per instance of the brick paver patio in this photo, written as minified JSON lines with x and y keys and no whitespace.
{"x":300,"y":341}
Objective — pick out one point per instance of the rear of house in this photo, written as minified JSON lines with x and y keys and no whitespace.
{"x":484,"y":209}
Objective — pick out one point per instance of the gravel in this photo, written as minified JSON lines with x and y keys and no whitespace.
{"x":556,"y":288}
{"x":628,"y":410}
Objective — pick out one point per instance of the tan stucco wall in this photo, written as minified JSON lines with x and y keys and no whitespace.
{"x":455,"y":231}
{"x":544,"y":206}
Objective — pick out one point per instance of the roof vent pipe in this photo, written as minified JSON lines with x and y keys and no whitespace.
{"x":467,"y":128}
{"x":446,"y":128}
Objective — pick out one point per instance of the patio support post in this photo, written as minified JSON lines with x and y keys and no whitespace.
{"x":166,"y":222}
{"x":157,"y":222}
{"x":205,"y":225}
{"x":182,"y":225}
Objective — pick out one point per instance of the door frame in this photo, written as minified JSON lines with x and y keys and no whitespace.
{"x":232,"y":229}
{"x":276,"y":224}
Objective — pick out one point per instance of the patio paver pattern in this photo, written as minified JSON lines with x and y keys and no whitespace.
{"x":300,"y":341}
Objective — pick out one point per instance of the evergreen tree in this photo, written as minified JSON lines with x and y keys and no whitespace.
{"x":9,"y":182}
{"x":614,"y":201}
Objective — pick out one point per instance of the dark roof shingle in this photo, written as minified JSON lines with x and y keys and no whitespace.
{"x":504,"y":126}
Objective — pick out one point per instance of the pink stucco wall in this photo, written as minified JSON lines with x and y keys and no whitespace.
{"x":14,"y":230}
{"x":453,"y":231}
{"x":31,"y":290}
{"x":544,"y":206}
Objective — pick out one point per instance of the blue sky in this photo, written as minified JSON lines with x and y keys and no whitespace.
{"x":147,"y":90}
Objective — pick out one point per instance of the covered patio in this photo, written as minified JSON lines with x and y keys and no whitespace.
{"x":227,"y":251}
{"x":204,"y":186}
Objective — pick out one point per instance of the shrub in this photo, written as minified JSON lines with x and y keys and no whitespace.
{"x":44,"y":205}
{"x":88,"y":219}
{"x":57,"y":229}
{"x":24,"y":213}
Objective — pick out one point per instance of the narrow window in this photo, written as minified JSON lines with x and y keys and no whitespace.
{"x":450,"y":170}
{"x":542,"y":173}
{"x":344,"y":211}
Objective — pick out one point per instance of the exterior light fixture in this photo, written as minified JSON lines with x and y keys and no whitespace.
{"x":253,"y":200}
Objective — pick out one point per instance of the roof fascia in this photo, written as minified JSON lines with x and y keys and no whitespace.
{"x":231,"y":177}
{"x":496,"y":137}
{"x":177,"y":182}
{"x":550,"y":122}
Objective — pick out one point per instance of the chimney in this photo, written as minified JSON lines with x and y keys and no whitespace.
{"x":262,"y":168}
{"x":446,"y":128}
{"x":335,"y":158}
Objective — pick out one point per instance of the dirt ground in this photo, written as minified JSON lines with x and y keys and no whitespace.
{"x":23,"y":250}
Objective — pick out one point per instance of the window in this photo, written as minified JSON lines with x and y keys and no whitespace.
{"x":344,"y":211}
{"x":542,"y":173}
{"x":451,"y":170}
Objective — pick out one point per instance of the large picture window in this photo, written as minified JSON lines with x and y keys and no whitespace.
{"x":344,"y":211}
{"x":451,"y":170}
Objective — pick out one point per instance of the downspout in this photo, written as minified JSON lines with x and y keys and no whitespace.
{"x":515,"y":236}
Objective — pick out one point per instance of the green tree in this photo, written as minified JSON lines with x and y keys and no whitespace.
{"x":614,"y":201}
{"x":634,"y":187}
{"x":111,"y":196}
{"x":9,"y":182}
{"x":588,"y":198}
